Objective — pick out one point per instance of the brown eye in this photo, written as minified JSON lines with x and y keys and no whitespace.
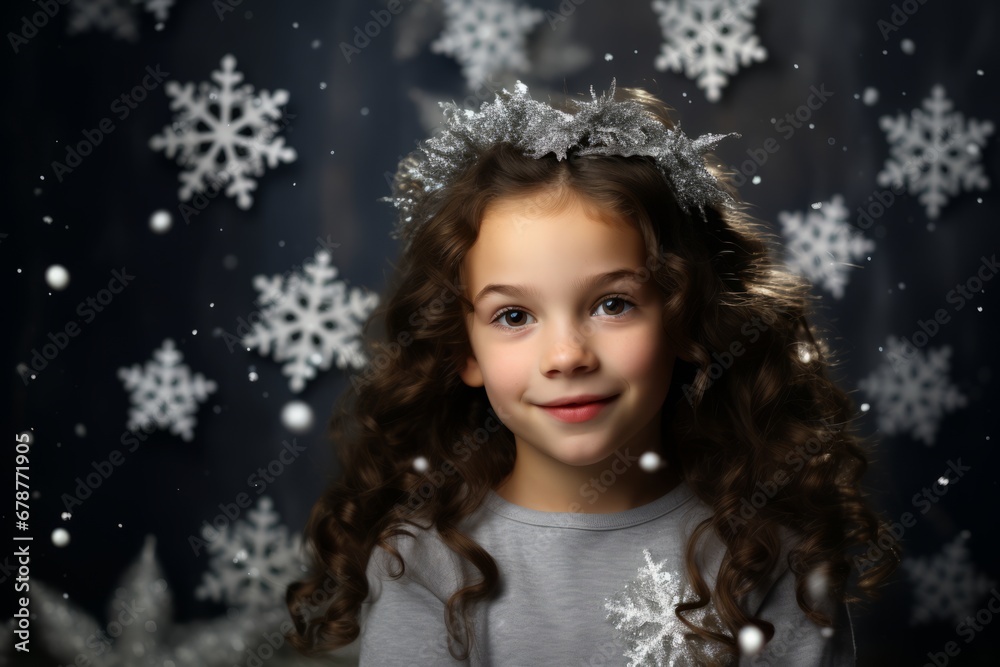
{"x":514,"y":317}
{"x":612,"y":311}
{"x":608,"y":303}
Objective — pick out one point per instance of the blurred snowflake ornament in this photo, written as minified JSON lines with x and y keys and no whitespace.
{"x":911,"y":389}
{"x":253,"y":560}
{"x":309,"y":320}
{"x":113,"y":16}
{"x":708,"y":39}
{"x":821,"y":244}
{"x":141,"y":631}
{"x":486,"y":36}
{"x":160,"y":9}
{"x":645,"y":621}
{"x":165,"y":393}
{"x":934,"y":152}
{"x":946,"y":586}
{"x":240,"y":137}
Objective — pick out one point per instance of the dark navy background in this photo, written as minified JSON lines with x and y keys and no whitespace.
{"x":348,"y":135}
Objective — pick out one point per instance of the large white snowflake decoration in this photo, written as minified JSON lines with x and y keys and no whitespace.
{"x":253,"y":560}
{"x":114,"y":16}
{"x":486,"y":36}
{"x":911,"y":389}
{"x":141,"y":630}
{"x":821,"y":244}
{"x":240,"y":136}
{"x":310,"y":319}
{"x":708,"y":39}
{"x":165,"y":393}
{"x":645,"y":621}
{"x":934,"y":152}
{"x":946,"y":585}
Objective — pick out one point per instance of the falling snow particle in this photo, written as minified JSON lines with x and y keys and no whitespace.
{"x":650,"y":461}
{"x":60,"y":537}
{"x":751,"y":640}
{"x":57,"y":277}
{"x":161,"y":221}
{"x":420,"y":464}
{"x":297,"y":416}
{"x":755,"y":180}
{"x":608,"y":57}
{"x":907,"y":46}
{"x":47,"y":219}
{"x":869,"y":96}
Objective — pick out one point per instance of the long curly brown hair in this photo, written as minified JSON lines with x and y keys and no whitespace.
{"x":773,"y":420}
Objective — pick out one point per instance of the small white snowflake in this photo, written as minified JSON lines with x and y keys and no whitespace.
{"x":821,"y":244}
{"x":946,"y":585}
{"x":165,"y":393}
{"x":934,"y":152}
{"x":645,"y":621}
{"x":486,"y":36}
{"x":240,"y":137}
{"x":253,"y":560}
{"x":708,"y":39}
{"x":310,"y":319}
{"x":911,"y":390}
{"x":160,"y":9}
{"x":114,"y":16}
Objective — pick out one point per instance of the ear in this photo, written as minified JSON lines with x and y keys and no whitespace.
{"x":471,"y":373}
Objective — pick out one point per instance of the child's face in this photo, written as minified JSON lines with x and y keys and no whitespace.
{"x":563,"y":337}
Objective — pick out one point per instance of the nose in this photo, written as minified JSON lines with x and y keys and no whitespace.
{"x":568,"y":349}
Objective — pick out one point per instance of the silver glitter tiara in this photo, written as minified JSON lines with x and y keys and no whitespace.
{"x":599,"y":127}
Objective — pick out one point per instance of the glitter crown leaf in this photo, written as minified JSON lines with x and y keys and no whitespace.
{"x":601,"y":126}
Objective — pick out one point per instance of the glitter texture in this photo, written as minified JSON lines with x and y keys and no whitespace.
{"x":643,"y":615}
{"x":601,"y":126}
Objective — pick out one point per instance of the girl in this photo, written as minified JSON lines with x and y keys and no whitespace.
{"x":597,"y":428}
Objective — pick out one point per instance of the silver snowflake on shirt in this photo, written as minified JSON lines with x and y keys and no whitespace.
{"x":253,"y":560}
{"x":310,"y":320}
{"x":708,"y":39}
{"x":114,"y":16}
{"x":165,"y":393}
{"x":645,"y":621}
{"x":946,"y":585}
{"x":486,"y":36}
{"x":911,"y":389}
{"x":821,"y":244}
{"x":227,"y":146}
{"x":934,"y":152}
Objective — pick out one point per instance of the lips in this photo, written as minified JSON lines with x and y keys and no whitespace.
{"x":583,"y":399}
{"x":578,"y":412}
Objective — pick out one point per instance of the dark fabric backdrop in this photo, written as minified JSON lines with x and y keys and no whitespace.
{"x":58,"y":85}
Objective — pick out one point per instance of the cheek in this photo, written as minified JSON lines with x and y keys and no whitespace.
{"x":504,"y":372}
{"x":645,"y":356}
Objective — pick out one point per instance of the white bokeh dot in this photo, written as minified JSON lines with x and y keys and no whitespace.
{"x":60,"y":537}
{"x":650,"y":461}
{"x":297,"y":416}
{"x":161,"y":221}
{"x":57,"y":276}
{"x":751,"y":640}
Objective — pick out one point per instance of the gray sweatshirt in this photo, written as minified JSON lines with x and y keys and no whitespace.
{"x":576,"y":589}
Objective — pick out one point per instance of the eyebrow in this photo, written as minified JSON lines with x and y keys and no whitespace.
{"x":520,"y":291}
